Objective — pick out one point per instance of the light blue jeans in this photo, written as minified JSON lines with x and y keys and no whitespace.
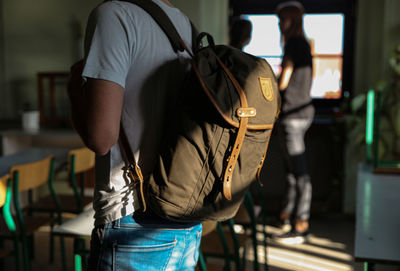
{"x":298,"y":183}
{"x":144,"y":245}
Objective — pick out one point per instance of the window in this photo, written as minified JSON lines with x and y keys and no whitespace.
{"x":325,"y":33}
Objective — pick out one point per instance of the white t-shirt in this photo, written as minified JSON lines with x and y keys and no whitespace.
{"x":125,"y":45}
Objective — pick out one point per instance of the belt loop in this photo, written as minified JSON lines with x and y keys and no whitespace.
{"x":115,"y":224}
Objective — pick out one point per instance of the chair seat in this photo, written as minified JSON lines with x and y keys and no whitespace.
{"x":32,"y":224}
{"x":67,"y":202}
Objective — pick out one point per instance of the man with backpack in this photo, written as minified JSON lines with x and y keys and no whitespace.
{"x":128,"y":72}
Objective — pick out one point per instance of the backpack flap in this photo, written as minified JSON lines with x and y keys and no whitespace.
{"x":230,"y":99}
{"x":253,"y":74}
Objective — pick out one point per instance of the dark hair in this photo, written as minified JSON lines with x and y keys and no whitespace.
{"x":294,"y":11}
{"x":240,"y":32}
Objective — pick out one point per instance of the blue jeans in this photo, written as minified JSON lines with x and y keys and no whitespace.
{"x":144,"y":245}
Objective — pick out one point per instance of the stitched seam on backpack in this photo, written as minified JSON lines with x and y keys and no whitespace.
{"x":210,"y":164}
{"x":193,"y":196}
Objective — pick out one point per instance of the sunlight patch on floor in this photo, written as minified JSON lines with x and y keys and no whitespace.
{"x":324,"y":242}
{"x":314,"y":244}
{"x":309,"y":248}
{"x":319,"y":254}
{"x":281,"y":257}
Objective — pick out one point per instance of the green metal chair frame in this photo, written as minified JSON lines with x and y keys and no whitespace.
{"x":28,"y":248}
{"x":249,"y":204}
{"x":72,"y":177}
{"x":79,"y":244}
{"x":226,"y":254}
{"x":79,"y":161}
{"x":252,"y":225}
{"x":5,"y":204}
{"x":51,"y":210}
{"x":263,"y":214}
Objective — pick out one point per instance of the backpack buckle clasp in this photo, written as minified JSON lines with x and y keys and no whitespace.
{"x":246,"y":112}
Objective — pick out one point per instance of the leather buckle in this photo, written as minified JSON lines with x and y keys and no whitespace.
{"x":246,"y":112}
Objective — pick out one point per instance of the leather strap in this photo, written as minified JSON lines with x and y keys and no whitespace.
{"x":227,"y":118}
{"x":230,"y":167}
{"x":232,"y":159}
{"x":166,"y":25}
{"x":132,"y":167}
{"x":162,"y":20}
{"x":258,"y":174}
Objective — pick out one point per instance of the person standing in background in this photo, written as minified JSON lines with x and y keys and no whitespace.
{"x":296,"y":117}
{"x":240,"y":33}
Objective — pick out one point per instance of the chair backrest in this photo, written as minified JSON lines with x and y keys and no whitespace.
{"x":3,"y":189}
{"x":5,"y":199}
{"x":33,"y":174}
{"x":83,"y":160}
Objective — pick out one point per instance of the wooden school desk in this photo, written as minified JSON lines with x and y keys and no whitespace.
{"x":79,"y":227}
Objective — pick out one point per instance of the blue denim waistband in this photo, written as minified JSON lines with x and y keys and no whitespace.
{"x":150,"y":221}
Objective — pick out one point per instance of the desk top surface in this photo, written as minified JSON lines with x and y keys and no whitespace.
{"x":31,"y":155}
{"x":377,"y":216}
{"x":79,"y":226}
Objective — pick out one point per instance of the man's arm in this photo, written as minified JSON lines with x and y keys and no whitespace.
{"x":96,"y":110}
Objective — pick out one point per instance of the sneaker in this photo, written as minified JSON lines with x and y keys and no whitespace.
{"x":285,"y":227}
{"x":285,"y":224}
{"x":292,"y":238}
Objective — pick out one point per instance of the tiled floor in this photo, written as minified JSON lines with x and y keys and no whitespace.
{"x":330,"y":247}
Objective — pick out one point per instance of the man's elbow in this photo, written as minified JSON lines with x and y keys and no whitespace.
{"x":101,"y":143}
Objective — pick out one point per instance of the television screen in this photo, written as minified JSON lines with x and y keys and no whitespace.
{"x":325,"y":33}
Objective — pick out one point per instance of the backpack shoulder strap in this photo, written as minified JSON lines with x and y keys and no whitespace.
{"x":164,"y":22}
{"x":195,"y":34}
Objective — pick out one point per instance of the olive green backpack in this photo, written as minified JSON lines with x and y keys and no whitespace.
{"x":216,"y":131}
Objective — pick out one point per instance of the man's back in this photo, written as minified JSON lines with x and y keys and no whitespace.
{"x":124,"y":45}
{"x":130,"y":71}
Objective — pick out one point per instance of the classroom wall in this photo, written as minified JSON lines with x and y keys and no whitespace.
{"x":42,"y":36}
{"x":208,"y":15}
{"x":37,"y":36}
{"x":377,"y":32}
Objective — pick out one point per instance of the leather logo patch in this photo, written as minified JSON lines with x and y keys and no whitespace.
{"x":266,"y":88}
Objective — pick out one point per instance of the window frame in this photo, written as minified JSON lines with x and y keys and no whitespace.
{"x":346,"y":7}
